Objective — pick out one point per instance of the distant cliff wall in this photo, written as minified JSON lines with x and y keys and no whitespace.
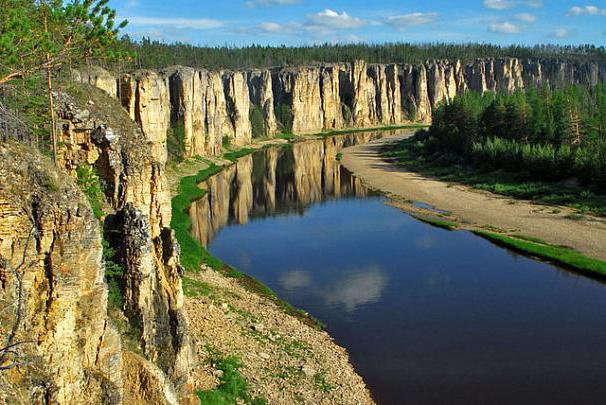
{"x":206,"y":108}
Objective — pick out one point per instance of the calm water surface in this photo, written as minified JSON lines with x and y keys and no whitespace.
{"x":427,"y":315}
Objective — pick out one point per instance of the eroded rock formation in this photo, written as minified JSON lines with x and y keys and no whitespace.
{"x":53,"y":295}
{"x":130,"y":160}
{"x":210,"y":106}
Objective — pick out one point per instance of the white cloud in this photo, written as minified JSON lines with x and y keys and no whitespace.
{"x":526,"y":17}
{"x":195,"y":23}
{"x":586,"y":10}
{"x":499,"y":4}
{"x":504,"y":28}
{"x":560,"y":33}
{"x":330,"y":20}
{"x":410,"y":20}
{"x":277,"y":28}
{"x":533,"y":3}
{"x":261,"y":3}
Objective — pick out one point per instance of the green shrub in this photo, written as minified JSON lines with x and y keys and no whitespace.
{"x":88,"y":181}
{"x":284,"y":116}
{"x":257,"y":122}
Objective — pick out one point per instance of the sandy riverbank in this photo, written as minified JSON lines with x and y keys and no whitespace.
{"x":477,"y":208}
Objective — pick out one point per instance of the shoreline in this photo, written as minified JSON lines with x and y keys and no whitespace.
{"x":277,"y":345}
{"x":475,"y":209}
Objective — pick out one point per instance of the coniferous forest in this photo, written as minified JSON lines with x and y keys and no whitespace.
{"x":548,"y":134}
{"x":154,"y":54}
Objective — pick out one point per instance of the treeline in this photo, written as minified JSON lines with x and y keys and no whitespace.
{"x":155,"y":54}
{"x":547,"y":134}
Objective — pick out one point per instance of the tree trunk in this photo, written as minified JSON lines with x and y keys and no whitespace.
{"x":51,"y":107}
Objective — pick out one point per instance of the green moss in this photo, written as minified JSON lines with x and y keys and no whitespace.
{"x":233,"y":387}
{"x":175,"y":141}
{"x":563,"y":256}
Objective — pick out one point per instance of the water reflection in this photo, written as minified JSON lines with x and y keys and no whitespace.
{"x":426,"y":314}
{"x":355,"y":288}
{"x":277,"y":181}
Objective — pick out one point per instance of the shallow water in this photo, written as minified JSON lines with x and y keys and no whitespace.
{"x":427,"y":315}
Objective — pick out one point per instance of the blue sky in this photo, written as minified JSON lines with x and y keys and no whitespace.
{"x":301,"y":22}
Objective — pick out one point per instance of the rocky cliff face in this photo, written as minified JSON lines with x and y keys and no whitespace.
{"x":211,"y":106}
{"x":130,"y":160}
{"x":61,"y":345}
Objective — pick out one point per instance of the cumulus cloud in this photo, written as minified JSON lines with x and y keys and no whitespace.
{"x":526,"y":17}
{"x":195,"y":23}
{"x":504,"y":28}
{"x":499,"y":4}
{"x":410,"y":20}
{"x":506,"y":4}
{"x":533,"y":3}
{"x":560,"y":33}
{"x":330,"y":19}
{"x":261,"y":3}
{"x":327,"y":21}
{"x":586,"y":10}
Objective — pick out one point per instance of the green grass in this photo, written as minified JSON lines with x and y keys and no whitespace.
{"x":234,"y":155}
{"x":196,"y":288}
{"x":563,"y":256}
{"x":287,"y":137}
{"x":233,"y":387}
{"x":410,"y":154}
{"x":192,"y":252}
{"x":321,"y":383}
{"x":334,"y":132}
{"x":440,"y":223}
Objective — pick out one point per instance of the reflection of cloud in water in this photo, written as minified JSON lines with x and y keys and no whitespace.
{"x":244,"y":261}
{"x":425,"y":242}
{"x":358,"y":287}
{"x":292,"y":280}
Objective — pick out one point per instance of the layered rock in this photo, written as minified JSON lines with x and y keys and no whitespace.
{"x":131,"y":164}
{"x":64,"y":348}
{"x":213,"y":105}
{"x":262,"y":96}
{"x":237,"y":99}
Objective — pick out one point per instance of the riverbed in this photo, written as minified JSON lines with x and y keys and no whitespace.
{"x":427,"y":315}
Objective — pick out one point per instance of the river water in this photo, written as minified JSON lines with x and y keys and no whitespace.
{"x":427,"y":315}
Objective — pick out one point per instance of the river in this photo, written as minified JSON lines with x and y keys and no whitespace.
{"x":427,"y":315}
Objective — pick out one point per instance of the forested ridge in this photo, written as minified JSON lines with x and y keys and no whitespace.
{"x":545,"y":134}
{"x":154,"y":54}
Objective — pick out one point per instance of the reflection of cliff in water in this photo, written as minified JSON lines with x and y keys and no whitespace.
{"x":277,"y":181}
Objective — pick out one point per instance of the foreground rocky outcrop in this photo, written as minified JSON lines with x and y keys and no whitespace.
{"x":58,"y":343}
{"x":152,"y":356}
{"x":207,"y":108}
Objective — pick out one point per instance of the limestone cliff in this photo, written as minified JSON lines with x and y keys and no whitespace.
{"x":209,"y":106}
{"x":61,"y":347}
{"x":130,"y":161}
